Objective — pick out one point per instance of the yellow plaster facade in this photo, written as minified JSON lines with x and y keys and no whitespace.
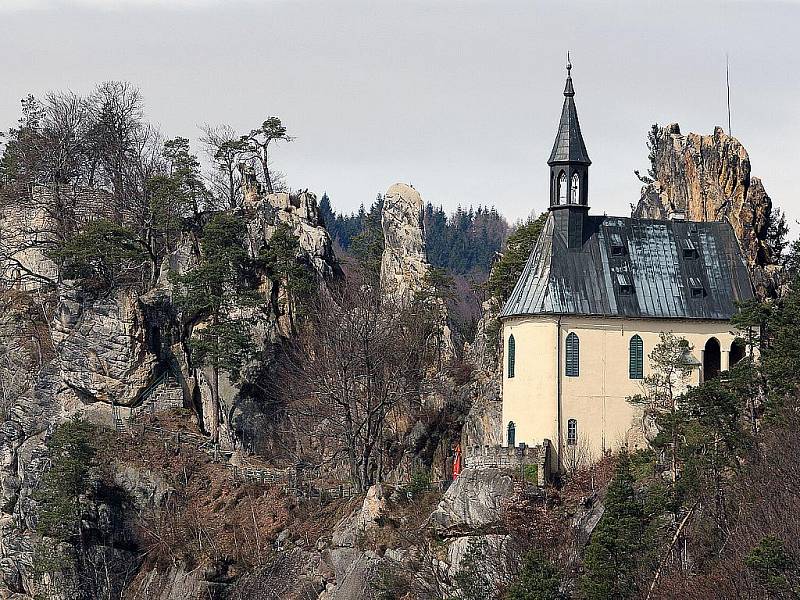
{"x":540,"y":398}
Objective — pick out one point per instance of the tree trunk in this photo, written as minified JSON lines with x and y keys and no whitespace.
{"x":215,"y":404}
{"x":265,"y":165}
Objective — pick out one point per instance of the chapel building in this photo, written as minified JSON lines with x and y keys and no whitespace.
{"x":591,"y":303}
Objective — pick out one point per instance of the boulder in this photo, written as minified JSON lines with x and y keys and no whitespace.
{"x":366,"y":516}
{"x":144,"y":487}
{"x":102,"y":348}
{"x":473,"y":503}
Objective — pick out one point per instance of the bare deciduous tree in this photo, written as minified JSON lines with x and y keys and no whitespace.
{"x":354,"y":371}
{"x":226,"y":149}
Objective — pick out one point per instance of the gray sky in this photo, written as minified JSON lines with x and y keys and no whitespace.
{"x":461,"y":99}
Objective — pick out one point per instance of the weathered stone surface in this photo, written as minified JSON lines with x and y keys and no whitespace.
{"x":493,"y":546}
{"x":483,"y":423}
{"x":366,"y":516}
{"x":707,"y":177}
{"x":403,"y":264}
{"x":472,"y":504}
{"x":102,"y":350}
{"x":143,"y":486}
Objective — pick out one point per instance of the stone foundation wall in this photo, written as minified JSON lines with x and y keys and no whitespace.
{"x":505,"y":457}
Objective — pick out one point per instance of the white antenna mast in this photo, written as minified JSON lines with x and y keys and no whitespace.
{"x":728,"y":86}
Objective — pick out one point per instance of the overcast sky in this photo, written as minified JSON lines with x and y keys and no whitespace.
{"x":460,"y":99}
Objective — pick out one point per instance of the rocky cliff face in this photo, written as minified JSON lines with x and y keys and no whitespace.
{"x":106,"y":351}
{"x":708,"y":178}
{"x":483,"y":422}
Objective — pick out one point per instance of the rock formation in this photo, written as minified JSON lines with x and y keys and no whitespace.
{"x":473,"y":503}
{"x":707,"y":178}
{"x":403,"y":264}
{"x":483,"y":422}
{"x":106,"y":351}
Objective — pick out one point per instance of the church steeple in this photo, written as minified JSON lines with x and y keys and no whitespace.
{"x":569,"y":169}
{"x":569,"y":160}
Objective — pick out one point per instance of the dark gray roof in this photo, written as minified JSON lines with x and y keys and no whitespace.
{"x":664,"y":261}
{"x":569,"y":146}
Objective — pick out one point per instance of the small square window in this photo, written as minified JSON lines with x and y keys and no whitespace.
{"x":689,"y":249}
{"x":625,"y":283}
{"x":696,"y":287}
{"x":617,"y":245}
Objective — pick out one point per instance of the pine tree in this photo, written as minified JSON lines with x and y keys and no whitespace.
{"x":507,"y":270}
{"x":471,"y":579}
{"x":617,"y":543}
{"x":213,"y":292}
{"x":282,"y":263}
{"x":103,"y":255}
{"x":539,"y":580}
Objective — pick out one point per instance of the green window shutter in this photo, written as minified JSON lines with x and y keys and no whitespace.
{"x":636,"y":368}
{"x":573,"y":355}
{"x":511,"y":355}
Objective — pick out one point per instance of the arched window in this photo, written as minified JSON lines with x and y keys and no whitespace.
{"x":575,"y":190}
{"x":636,"y":363}
{"x":512,"y":434}
{"x":572,"y":432}
{"x":737,"y":352}
{"x":562,"y":188}
{"x":711,"y":359}
{"x":512,"y":348}
{"x":573,"y":355}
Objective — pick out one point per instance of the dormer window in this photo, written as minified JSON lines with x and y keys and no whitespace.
{"x":696,"y":287}
{"x":574,"y":190}
{"x":617,"y":245}
{"x":626,"y":287}
{"x":689,"y":249}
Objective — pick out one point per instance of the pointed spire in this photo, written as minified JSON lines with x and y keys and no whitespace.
{"x":568,"y":89}
{"x":569,"y":146}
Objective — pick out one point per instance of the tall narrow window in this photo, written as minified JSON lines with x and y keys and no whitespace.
{"x":562,"y":188}
{"x":573,"y":355}
{"x":512,"y":349}
{"x":636,"y":358}
{"x":574,"y":190}
{"x":512,"y":434}
{"x":572,"y":432}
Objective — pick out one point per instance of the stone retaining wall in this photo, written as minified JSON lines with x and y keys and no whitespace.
{"x":514,"y":457}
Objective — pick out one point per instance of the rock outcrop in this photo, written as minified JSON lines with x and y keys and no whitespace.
{"x":107,"y":350}
{"x":473,"y":503}
{"x":102,"y":348}
{"x":483,"y":423}
{"x":708,"y":178}
{"x":403,"y":264}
